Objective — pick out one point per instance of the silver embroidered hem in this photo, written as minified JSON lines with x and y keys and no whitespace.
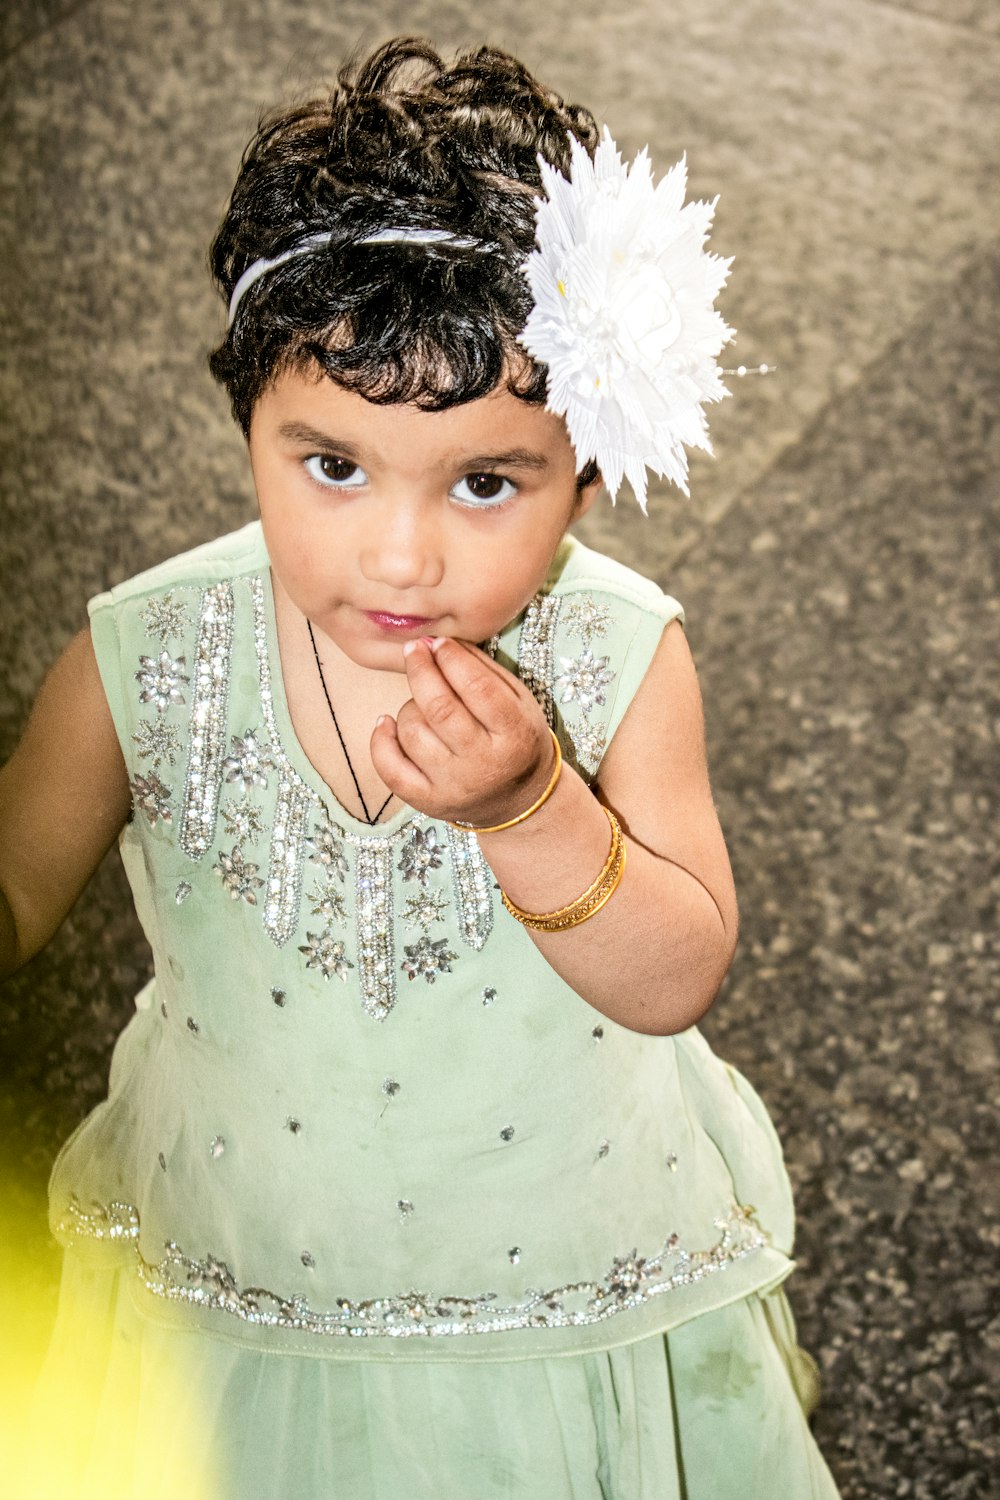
{"x":629,"y":1282}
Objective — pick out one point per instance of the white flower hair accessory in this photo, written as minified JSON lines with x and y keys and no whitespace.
{"x":624,"y":317}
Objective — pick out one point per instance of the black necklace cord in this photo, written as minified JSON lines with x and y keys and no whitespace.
{"x":371,"y":821}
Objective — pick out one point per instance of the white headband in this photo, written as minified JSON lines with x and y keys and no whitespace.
{"x":319,"y":241}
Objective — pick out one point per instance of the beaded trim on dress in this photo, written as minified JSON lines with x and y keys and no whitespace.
{"x":628,"y":1282}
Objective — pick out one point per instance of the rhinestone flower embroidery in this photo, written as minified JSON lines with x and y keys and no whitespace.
{"x":325,"y":952}
{"x":586,"y":618}
{"x":427,"y":959}
{"x":157,"y":741}
{"x":150,"y":796}
{"x":627,"y":1274}
{"x":326,"y":849}
{"x":421,"y":854}
{"x":249,"y":762}
{"x":239,"y":876}
{"x":590,"y":742}
{"x":165,"y":617}
{"x":584,"y":679}
{"x":425,"y":909}
{"x":160,"y":679}
{"x":243,"y":820}
{"x":328,"y":902}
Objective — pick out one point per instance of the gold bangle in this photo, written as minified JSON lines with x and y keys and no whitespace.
{"x":512,"y":822}
{"x":594,"y":897}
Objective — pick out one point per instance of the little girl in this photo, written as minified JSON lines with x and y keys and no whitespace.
{"x":415,"y":1178}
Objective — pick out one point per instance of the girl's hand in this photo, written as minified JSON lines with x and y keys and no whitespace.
{"x":471,"y":745}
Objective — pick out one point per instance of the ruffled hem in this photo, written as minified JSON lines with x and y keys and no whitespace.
{"x":712,"y":1410}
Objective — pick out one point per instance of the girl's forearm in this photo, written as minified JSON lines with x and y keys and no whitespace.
{"x":654,"y":956}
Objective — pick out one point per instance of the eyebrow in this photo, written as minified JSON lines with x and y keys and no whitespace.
{"x":512,"y":458}
{"x":301,"y":432}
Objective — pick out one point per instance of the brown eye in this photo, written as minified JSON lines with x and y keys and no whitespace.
{"x":337,"y":468}
{"x":335,"y":473}
{"x":485,"y":486}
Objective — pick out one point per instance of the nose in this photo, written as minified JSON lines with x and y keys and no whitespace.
{"x":402,"y":549}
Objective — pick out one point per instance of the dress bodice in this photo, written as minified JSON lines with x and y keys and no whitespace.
{"x":356,"y":1107}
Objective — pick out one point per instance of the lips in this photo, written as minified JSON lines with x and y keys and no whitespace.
{"x":397,"y":624}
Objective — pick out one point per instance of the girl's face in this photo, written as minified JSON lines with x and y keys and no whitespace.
{"x":384,"y":523}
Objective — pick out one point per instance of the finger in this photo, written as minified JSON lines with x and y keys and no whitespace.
{"x":441,"y":706}
{"x":400,"y":774}
{"x":488,"y":691}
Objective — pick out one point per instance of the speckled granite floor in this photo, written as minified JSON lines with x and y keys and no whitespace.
{"x":839,"y":570}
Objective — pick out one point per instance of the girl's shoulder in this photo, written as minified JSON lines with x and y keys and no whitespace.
{"x":580,"y":570}
{"x":585,"y":644}
{"x":227,"y":556}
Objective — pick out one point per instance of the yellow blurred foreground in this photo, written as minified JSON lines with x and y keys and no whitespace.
{"x":88,"y":1406}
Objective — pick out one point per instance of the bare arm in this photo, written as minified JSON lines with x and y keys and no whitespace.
{"x":64,"y":798}
{"x":654,"y":957}
{"x":473,"y":745}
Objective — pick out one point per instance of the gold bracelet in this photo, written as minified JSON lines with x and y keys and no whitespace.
{"x":594,"y":897}
{"x":512,"y":822}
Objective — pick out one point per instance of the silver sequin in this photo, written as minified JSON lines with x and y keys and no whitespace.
{"x":422,"y":853}
{"x":584,"y":679}
{"x":182,"y":892}
{"x":603,"y":1150}
{"x":277,"y":995}
{"x":630,"y":1281}
{"x":217,"y":1146}
{"x":293,"y":1125}
{"x":672,"y":1160}
{"x":586,"y":618}
{"x":249,"y":762}
{"x":284,"y":873}
{"x":489,"y":995}
{"x":534,"y":653}
{"x":598,"y":1033}
{"x":308,"y":1259}
{"x":165,"y":617}
{"x":243,"y":820}
{"x":473,"y":881}
{"x":151,"y":797}
{"x":376,"y":951}
{"x":192,"y":1026}
{"x":160,"y":680}
{"x":325,"y":952}
{"x":325,"y":900}
{"x":390,"y":1088}
{"x":326,"y":848}
{"x":162,"y":1160}
{"x":514,"y":1255}
{"x":427,"y":959}
{"x":157,"y":740}
{"x":239,"y":876}
{"x":424,"y":909}
{"x":507,"y":1133}
{"x":207,"y":733}
{"x":589,"y":742}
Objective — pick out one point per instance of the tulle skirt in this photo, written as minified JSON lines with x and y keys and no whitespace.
{"x":713,"y":1410}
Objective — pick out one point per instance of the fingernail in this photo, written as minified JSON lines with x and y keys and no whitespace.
{"x":409,"y":648}
{"x":380,"y":720}
{"x":435,"y":641}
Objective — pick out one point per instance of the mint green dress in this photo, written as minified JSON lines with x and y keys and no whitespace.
{"x":377,"y":1205}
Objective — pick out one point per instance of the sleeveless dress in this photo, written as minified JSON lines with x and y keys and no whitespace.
{"x":377,"y":1205}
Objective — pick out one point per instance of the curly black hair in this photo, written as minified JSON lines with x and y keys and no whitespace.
{"x":402,"y":142}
